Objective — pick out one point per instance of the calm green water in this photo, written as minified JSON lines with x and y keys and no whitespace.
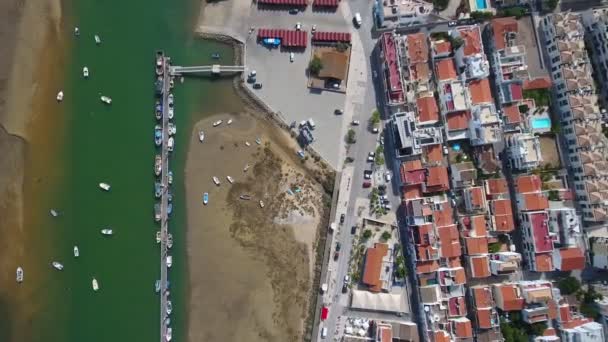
{"x":114,"y":144}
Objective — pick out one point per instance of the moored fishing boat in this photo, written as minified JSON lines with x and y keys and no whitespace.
{"x":170,"y":144}
{"x":158,"y":233}
{"x":170,"y":177}
{"x":158,"y":189}
{"x":106,"y":99}
{"x":60,"y":96}
{"x":19,"y":274}
{"x":169,"y":334}
{"x":57,"y":265}
{"x":85,"y":72}
{"x":245,"y":197}
{"x":158,"y":111}
{"x":54,"y":213}
{"x":170,"y":113}
{"x":229,"y":122}
{"x":261,"y":204}
{"x":201,"y":135}
{"x":258,"y":141}
{"x":158,"y":165}
{"x":76,"y":31}
{"x":217,"y":123}
{"x":95,"y":284}
{"x":158,"y":135}
{"x":169,"y":307}
{"x":216,"y":181}
{"x":172,"y":129}
{"x":169,"y":208}
{"x":107,"y":231}
{"x":157,"y":286}
{"x":215,"y":55}
{"x":104,"y":186}
{"x":170,"y":100}
{"x":169,"y":241}
{"x":205,"y":198}
{"x":230,"y":179}
{"x":158,"y":87}
{"x":169,"y":261}
{"x":97,"y":39}
{"x":76,"y":252}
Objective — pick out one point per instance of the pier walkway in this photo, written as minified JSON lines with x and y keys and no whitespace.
{"x":215,"y":69}
{"x":164,"y":228}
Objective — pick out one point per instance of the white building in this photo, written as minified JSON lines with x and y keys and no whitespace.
{"x":396,"y":13}
{"x":409,"y":138}
{"x":588,"y":332}
{"x":484,"y":126}
{"x":596,"y":25}
{"x":524,"y":151}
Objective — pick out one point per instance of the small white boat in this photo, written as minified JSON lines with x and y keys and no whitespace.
{"x":170,"y":144}
{"x":169,"y":307}
{"x":107,"y":231}
{"x":57,"y":265}
{"x":172,"y":128}
{"x":60,"y":96}
{"x":258,"y":141}
{"x":19,"y":274}
{"x":95,"y":284}
{"x":169,"y":241}
{"x":54,"y":213}
{"x":230,"y":179}
{"x":229,"y":122}
{"x":201,"y":135}
{"x":169,"y":334}
{"x":104,"y":186}
{"x":97,"y":40}
{"x":170,"y":177}
{"x":261,"y":204}
{"x":76,"y":252}
{"x":158,"y":237}
{"x":169,"y":260}
{"x":246,"y":168}
{"x":247,"y":143}
{"x":205,"y":198}
{"x":217,"y":123}
{"x":216,"y":180}
{"x":85,"y":72}
{"x":76,"y":31}
{"x":171,"y":113}
{"x":106,"y":100}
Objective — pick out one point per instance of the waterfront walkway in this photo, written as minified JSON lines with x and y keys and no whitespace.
{"x":215,"y":69}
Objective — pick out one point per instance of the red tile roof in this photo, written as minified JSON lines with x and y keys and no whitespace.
{"x":457,"y":306}
{"x":476,"y":245}
{"x":412,"y":192}
{"x":386,"y":334}
{"x":437,"y":179}
{"x":528,"y":183}
{"x":427,"y":266}
{"x":411,"y":165}
{"x":572,"y":259}
{"x":394,"y":76}
{"x":540,"y":232}
{"x":511,"y":113}
{"x":458,"y":120}
{"x":331,"y":36}
{"x":544,"y":262}
{"x":433,"y":153}
{"x":373,"y":266}
{"x":535,"y":201}
{"x":289,"y":38}
{"x":443,"y":217}
{"x":427,"y":109}
{"x":511,"y":300}
{"x":478,"y":225}
{"x":441,"y":336}
{"x":482,"y":296}
{"x":463,"y":328}
{"x":537,"y":83}
{"x":484,"y":318}
{"x":450,"y":243}
{"x":442,"y":47}
{"x":417,"y":48}
{"x":496,"y":186}
{"x":500,"y":27}
{"x":480,"y":266}
{"x":478,"y":200}
{"x":504,"y":223}
{"x":472,"y":40}
{"x":445,"y":69}
{"x":516,"y":92}
{"x":480,"y":91}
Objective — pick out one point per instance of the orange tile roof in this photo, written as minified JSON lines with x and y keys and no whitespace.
{"x":480,"y":266}
{"x":417,"y":48}
{"x":411,"y":192}
{"x":386,"y":334}
{"x":537,"y":83}
{"x":454,"y":262}
{"x":427,"y":109}
{"x":458,"y":120}
{"x":426,"y":252}
{"x":500,"y":27}
{"x":421,"y":71}
{"x":495,"y":186}
{"x":442,"y":47}
{"x":441,"y":336}
{"x":511,"y":301}
{"x":544,"y":262}
{"x":534,"y":202}
{"x":437,"y":179}
{"x":476,"y":245}
{"x":552,"y":305}
{"x":549,"y":332}
{"x":477,"y":198}
{"x":427,"y":266}
{"x":528,"y":183}
{"x":478,"y":225}
{"x":460,"y":276}
{"x":482,"y":296}
{"x":445,"y":69}
{"x":463,"y":328}
{"x":412,"y":165}
{"x":433,"y":153}
{"x":572,"y":259}
{"x":450,"y":243}
{"x":484,"y":318}
{"x":502,"y":207}
{"x":504,"y":223}
{"x":512,"y":114}
{"x":443,"y":217}
{"x":480,"y":91}
{"x":472,"y":40}
{"x":373,"y":266}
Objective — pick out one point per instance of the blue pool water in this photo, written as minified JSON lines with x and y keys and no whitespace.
{"x":542,"y":123}
{"x":481,"y":4}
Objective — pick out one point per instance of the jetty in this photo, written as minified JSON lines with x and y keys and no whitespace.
{"x":214,"y":69}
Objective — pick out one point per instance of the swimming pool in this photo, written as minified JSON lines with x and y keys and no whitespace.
{"x":481,"y":4}
{"x":541,"y":123}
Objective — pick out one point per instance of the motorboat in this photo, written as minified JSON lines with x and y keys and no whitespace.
{"x":104,"y":186}
{"x":158,"y":87}
{"x":158,"y":236}
{"x":169,"y":334}
{"x":169,"y":260}
{"x":167,"y":321}
{"x":95,"y":284}
{"x":106,"y":99}
{"x":85,"y":72}
{"x":171,"y":129}
{"x":261,"y":204}
{"x":171,"y":83}
{"x":201,"y":135}
{"x":217,"y":123}
{"x":229,"y":122}
{"x":169,"y":307}
{"x":170,"y":144}
{"x":76,"y":31}
{"x":169,"y":196}
{"x":97,"y":40}
{"x":19,"y":274}
{"x":157,"y":286}
{"x":60,"y":96}
{"x":57,"y":265}
{"x":215,"y":55}
{"x":246,"y":168}
{"x":245,"y":197}
{"x":158,"y":165}
{"x":107,"y":231}
{"x":205,"y":198}
{"x":170,"y":177}
{"x":230,"y":179}
{"x":216,"y":180}
{"x":158,"y":111}
{"x":54,"y":213}
{"x":169,"y":208}
{"x":158,"y":135}
{"x":170,"y":241}
{"x":171,"y":113}
{"x":76,"y":252}
{"x":258,"y":141}
{"x":159,"y":58}
{"x":170,"y":100}
{"x":158,"y":189}
{"x":247,"y":143}
{"x":157,"y":212}
{"x":159,"y":69}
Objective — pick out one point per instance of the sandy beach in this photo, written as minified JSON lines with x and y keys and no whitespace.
{"x":250,"y":267}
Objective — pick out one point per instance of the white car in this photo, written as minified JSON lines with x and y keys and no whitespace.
{"x":375,"y":130}
{"x":291,"y":57}
{"x":314,"y":28}
{"x":356,"y":122}
{"x":346,"y":278}
{"x":387,"y":176}
{"x":298,"y":26}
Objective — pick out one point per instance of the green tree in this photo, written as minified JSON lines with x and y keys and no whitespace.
{"x":440,"y":5}
{"x":367,"y":234}
{"x":351,"y":136}
{"x":494,"y":247}
{"x":315,"y":65}
{"x":516,"y":12}
{"x":375,"y":119}
{"x":457,"y":42}
{"x":385,"y":236}
{"x":379,"y":160}
{"x":553,"y":195}
{"x":341,"y":46}
{"x":481,"y":15}
{"x":550,"y":5}
{"x":536,"y":329}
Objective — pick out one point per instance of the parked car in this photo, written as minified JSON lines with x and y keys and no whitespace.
{"x":357,"y":19}
{"x":291,"y":57}
{"x":294,"y":11}
{"x":375,"y":130}
{"x":298,"y":26}
{"x":338,"y":246}
{"x":338,"y":112}
{"x":314,"y":28}
{"x":336,"y":255}
{"x":344,"y":288}
{"x":257,"y":86}
{"x":367,"y":184}
{"x":342,"y":217}
{"x":346,"y":279}
{"x":353,"y":230}
{"x":356,"y":122}
{"x":272,"y":42}
{"x":387,"y":176}
{"x":452,"y":23}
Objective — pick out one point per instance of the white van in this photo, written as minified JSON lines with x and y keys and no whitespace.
{"x":324,"y":332}
{"x":311,"y":124}
{"x":358,"y":20}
